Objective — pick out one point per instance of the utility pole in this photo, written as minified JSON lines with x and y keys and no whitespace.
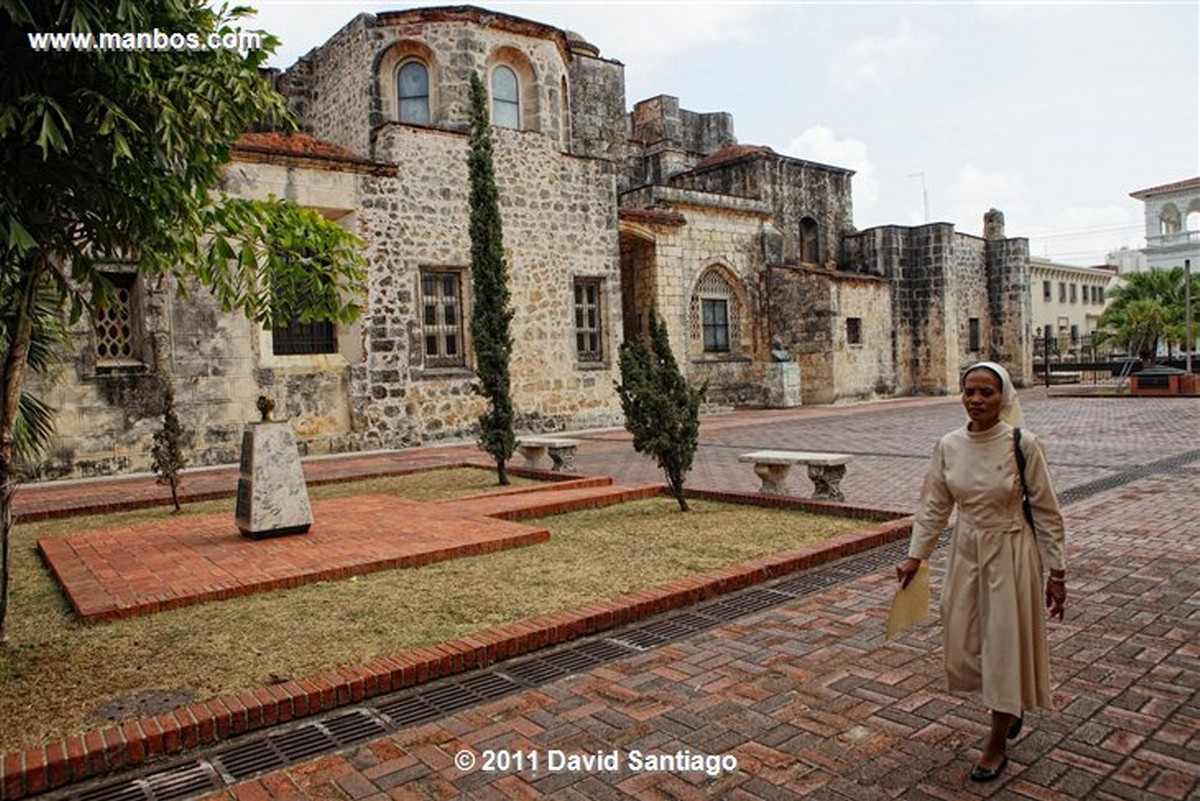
{"x":1187,"y":311}
{"x":924,"y":192}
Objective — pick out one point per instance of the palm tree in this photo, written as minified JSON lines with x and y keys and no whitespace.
{"x":35,"y":418}
{"x":1147,"y":309}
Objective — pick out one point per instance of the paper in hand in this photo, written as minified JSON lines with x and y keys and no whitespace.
{"x":911,"y":604}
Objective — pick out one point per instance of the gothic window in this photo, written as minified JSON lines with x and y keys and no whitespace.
{"x":506,"y":98}
{"x":854,"y":330}
{"x":441,"y":318}
{"x":810,"y":252}
{"x":413,"y":90}
{"x":116,"y":319}
{"x":714,"y":316}
{"x":589,"y":333}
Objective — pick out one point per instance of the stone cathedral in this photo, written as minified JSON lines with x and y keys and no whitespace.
{"x":751,"y":257}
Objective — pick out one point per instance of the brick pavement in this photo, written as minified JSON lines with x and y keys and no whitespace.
{"x":810,"y":698}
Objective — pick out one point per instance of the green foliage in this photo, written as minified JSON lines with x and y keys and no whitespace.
{"x":662,"y":410}
{"x":115,"y":156}
{"x":1147,"y":308}
{"x":491,"y":312}
{"x":167,"y":452}
{"x":34,"y":424}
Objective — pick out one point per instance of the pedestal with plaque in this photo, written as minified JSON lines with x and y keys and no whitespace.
{"x":781,"y":381}
{"x":272,"y":498}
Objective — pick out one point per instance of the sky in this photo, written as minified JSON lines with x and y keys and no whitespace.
{"x":1052,"y":112}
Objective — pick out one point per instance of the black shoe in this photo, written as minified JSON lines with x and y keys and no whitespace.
{"x":982,"y":774}
{"x":1014,"y":728}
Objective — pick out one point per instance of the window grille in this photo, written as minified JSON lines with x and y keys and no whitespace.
{"x":441,"y":319}
{"x":714,"y":317}
{"x":588,"y":326}
{"x":115,"y":330}
{"x":297,"y":338}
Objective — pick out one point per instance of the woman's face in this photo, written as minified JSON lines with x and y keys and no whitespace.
{"x":981,"y":397}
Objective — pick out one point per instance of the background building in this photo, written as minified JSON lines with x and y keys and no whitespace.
{"x":607,"y":214}
{"x":1172,"y":223}
{"x":1067,"y":303}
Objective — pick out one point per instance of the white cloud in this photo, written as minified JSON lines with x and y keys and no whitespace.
{"x":1086,"y":234}
{"x":880,"y":57}
{"x":822,"y":145}
{"x":973,"y":191}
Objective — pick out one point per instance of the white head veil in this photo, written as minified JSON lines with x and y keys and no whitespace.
{"x":1010,"y":407}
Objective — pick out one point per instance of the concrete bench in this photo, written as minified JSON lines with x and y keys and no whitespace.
{"x":561,"y":451}
{"x":825,"y":469}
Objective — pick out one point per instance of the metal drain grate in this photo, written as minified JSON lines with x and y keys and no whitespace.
{"x":246,"y":759}
{"x":301,"y":743}
{"x":183,"y":782}
{"x":354,"y":727}
{"x":733,"y":608}
{"x":409,"y":711}
{"x":128,"y":790}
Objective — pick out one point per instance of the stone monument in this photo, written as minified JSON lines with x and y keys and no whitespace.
{"x":781,"y":379}
{"x":272,"y":498}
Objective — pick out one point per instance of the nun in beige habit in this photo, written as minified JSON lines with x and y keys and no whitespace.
{"x":992,"y":619}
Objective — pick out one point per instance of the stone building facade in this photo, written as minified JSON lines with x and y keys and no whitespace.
{"x":607,"y":212}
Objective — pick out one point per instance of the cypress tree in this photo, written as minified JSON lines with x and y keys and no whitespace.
{"x":167,"y":452}
{"x":662,"y":410}
{"x":491,"y":314}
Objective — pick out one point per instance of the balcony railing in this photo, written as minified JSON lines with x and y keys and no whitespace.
{"x":1177,"y":238}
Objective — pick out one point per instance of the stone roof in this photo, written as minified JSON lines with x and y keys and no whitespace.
{"x":1165,"y":189}
{"x":301,"y":150}
{"x":733,"y":153}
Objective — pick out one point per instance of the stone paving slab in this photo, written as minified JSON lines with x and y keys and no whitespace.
{"x":164,"y":564}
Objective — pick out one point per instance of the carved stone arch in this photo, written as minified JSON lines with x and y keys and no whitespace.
{"x":1169,"y":219}
{"x":719,"y":285}
{"x":1191,"y":217}
{"x":388,"y":64}
{"x":527,"y":84}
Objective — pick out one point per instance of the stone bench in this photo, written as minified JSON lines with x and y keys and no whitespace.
{"x":561,"y":451}
{"x":825,"y":469}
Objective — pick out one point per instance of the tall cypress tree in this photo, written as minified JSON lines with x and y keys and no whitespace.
{"x":662,"y":410}
{"x":491,"y":314}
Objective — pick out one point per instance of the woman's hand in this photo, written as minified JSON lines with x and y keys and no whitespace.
{"x":1056,"y":596}
{"x":906,"y":570}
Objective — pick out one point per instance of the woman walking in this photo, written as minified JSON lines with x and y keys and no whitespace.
{"x":993,"y":625}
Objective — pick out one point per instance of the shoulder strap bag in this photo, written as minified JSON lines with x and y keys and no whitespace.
{"x":1020,"y":454}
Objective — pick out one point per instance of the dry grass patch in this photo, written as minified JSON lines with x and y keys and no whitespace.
{"x":61,"y":677}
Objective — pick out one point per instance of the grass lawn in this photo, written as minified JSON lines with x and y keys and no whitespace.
{"x":59,"y":676}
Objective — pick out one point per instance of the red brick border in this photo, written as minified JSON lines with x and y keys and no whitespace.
{"x":137,"y":742}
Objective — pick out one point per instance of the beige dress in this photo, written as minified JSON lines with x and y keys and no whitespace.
{"x":993,"y":596}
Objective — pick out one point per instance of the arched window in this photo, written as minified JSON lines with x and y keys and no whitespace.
{"x":506,"y":98}
{"x":413,"y":90}
{"x":810,"y":249}
{"x":714,"y":315}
